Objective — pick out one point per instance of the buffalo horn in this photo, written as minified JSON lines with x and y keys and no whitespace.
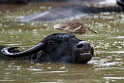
{"x":28,"y":52}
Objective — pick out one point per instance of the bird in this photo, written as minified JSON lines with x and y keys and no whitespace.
{"x":73,"y":27}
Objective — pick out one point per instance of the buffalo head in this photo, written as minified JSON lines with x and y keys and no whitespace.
{"x":59,"y":47}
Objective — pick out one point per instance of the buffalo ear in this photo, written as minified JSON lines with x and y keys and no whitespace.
{"x":33,"y":50}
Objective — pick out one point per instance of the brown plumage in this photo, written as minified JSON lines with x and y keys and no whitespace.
{"x":73,"y":27}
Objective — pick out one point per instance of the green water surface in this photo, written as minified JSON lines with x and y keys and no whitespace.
{"x":106,"y":67}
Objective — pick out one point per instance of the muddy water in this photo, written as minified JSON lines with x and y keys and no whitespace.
{"x":106,"y":67}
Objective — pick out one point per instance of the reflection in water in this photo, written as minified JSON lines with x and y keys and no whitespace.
{"x":107,"y":66}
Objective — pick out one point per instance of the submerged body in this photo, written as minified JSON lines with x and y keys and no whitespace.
{"x":50,"y":1}
{"x":68,"y":11}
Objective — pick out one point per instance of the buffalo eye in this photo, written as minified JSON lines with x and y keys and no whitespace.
{"x":52,"y":43}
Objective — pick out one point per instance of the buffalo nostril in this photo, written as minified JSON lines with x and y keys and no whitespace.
{"x":79,"y":45}
{"x":83,"y":44}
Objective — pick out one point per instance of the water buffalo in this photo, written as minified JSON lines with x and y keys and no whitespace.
{"x":69,"y":11}
{"x":58,"y":47}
